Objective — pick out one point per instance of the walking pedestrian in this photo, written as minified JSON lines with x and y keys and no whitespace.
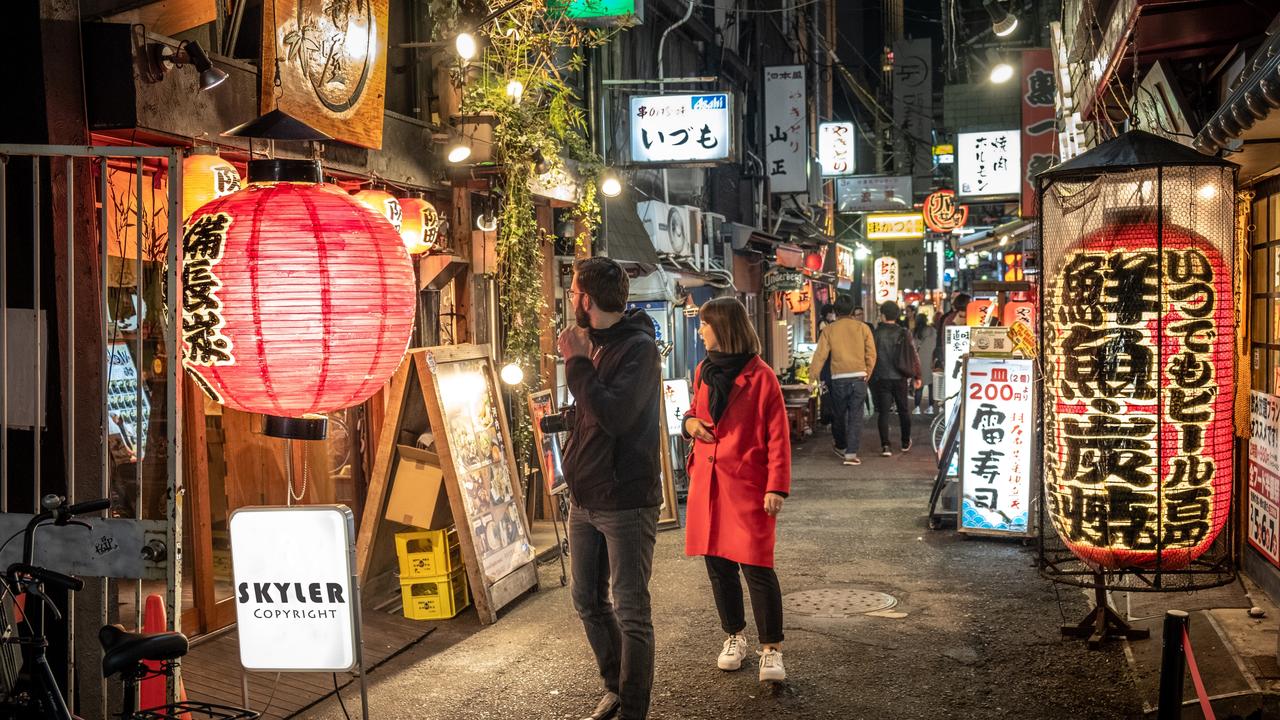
{"x":739,"y":476}
{"x":611,"y":466}
{"x":827,"y":317}
{"x":925,"y":337}
{"x":899,"y":366}
{"x":851,"y":349}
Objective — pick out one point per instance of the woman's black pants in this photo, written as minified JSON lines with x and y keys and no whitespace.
{"x":766,"y":598}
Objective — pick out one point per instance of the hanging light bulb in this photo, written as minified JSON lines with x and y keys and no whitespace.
{"x":610,"y":186}
{"x":1003,"y":23}
{"x":465,"y":44}
{"x":459,"y":152}
{"x":1001,"y":70}
{"x":515,"y":91}
{"x":512,"y":374}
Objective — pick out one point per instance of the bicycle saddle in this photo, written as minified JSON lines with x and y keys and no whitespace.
{"x":124,"y":650}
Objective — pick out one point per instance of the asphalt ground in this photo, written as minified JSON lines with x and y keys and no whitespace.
{"x":975,"y":633}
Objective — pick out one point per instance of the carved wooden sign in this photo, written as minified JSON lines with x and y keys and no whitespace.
{"x":325,"y":63}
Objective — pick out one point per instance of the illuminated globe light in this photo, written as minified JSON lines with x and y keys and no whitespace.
{"x":610,"y":186}
{"x":1161,"y":495}
{"x":419,"y":225}
{"x":813,"y":261}
{"x":383,"y":203}
{"x":297,"y":298}
{"x":466,"y":46}
{"x":459,"y":153}
{"x":205,"y":177}
{"x":1001,"y":72}
{"x":515,"y":91}
{"x":512,"y":374}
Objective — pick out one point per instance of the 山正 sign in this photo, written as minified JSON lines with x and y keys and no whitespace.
{"x":294,"y":587}
{"x":989,"y":164}
{"x":1264,"y":474}
{"x":996,"y":448}
{"x":786,"y":121}
{"x":681,"y":128}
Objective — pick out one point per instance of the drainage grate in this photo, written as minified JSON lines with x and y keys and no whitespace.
{"x":837,"y":602}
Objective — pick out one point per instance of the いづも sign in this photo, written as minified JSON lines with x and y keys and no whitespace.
{"x":681,"y":128}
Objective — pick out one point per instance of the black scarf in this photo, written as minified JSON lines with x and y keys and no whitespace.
{"x":718,"y":373}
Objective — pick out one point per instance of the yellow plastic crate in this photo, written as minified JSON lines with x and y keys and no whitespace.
{"x":437,"y":598}
{"x":428,"y":554}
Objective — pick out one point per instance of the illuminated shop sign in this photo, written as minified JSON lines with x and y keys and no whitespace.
{"x":895,"y":226}
{"x":681,"y":128}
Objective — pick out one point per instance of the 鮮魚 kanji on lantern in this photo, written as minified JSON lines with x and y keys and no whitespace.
{"x":296,"y":298}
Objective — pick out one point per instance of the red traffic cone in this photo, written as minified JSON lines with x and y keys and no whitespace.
{"x":151,"y":690}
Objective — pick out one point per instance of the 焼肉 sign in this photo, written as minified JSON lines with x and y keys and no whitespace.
{"x":996,"y":450}
{"x":681,"y":128}
{"x":989,"y":163}
{"x":1264,"y":475}
{"x":293,"y":570}
{"x":1138,"y":371}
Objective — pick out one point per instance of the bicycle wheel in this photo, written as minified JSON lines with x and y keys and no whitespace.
{"x":938,"y":432}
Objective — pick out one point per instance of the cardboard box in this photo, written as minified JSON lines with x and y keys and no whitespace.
{"x":418,"y":497}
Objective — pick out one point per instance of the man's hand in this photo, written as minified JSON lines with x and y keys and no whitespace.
{"x":574,"y":342}
{"x":699,"y":429}
{"x":772,"y":503}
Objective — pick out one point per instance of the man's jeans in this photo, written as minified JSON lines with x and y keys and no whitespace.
{"x":612,"y":558}
{"x":887,"y":393}
{"x":850,"y":399}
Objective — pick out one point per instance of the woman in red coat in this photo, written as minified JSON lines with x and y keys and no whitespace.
{"x":739,"y":474}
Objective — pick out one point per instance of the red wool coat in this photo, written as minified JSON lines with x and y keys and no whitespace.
{"x":729,"y":478}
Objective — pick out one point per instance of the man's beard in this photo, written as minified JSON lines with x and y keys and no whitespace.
{"x":581,"y":316}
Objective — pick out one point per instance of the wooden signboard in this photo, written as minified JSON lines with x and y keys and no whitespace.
{"x":332,"y":65}
{"x":460,"y":390}
{"x":668,"y":515}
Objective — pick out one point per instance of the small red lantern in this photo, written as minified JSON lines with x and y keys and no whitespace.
{"x":813,"y":261}
{"x":419,"y":225}
{"x":296,"y":298}
{"x":383,"y":203}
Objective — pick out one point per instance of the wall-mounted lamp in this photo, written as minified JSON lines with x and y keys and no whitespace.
{"x":162,"y":57}
{"x":1003,"y":23}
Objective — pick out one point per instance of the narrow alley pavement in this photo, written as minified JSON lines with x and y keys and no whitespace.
{"x":974,"y":634}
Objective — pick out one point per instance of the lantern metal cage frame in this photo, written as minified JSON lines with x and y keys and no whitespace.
{"x":1086,"y":205}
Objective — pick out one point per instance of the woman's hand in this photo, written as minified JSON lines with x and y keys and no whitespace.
{"x":699,"y":429}
{"x":773,"y":503}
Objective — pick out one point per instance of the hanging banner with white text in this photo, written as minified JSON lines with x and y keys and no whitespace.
{"x":786,"y":118}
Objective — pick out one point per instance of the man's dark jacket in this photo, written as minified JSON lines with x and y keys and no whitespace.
{"x":889,"y":339}
{"x":611,"y":458}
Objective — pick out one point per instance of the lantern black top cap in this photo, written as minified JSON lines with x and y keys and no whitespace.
{"x":1133,"y":149}
{"x":306,"y":171}
{"x":277,"y":125}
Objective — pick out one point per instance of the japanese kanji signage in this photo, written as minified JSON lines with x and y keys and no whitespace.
{"x":942,"y":213}
{"x":873,"y":193}
{"x":955,"y":348}
{"x":895,"y":226}
{"x":845,"y":261}
{"x":835,"y":148}
{"x":886,"y":277}
{"x":989,"y":163}
{"x":1138,"y":378}
{"x":913,"y":110}
{"x":786,"y":121}
{"x":1039,"y":128}
{"x":996,"y":447}
{"x":1264,"y":475}
{"x":681,"y":128}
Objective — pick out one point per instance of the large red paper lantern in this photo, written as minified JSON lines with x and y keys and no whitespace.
{"x":297,"y":298}
{"x":1138,"y":423}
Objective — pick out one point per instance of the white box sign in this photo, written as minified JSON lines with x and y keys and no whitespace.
{"x":836,"y":148}
{"x":786,"y":120}
{"x":681,"y":128}
{"x":295,"y":606}
{"x":675,"y":397}
{"x":989,"y":163}
{"x":995,"y":452}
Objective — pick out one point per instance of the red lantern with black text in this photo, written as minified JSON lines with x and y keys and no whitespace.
{"x":296,"y":298}
{"x":1137,"y":318}
{"x":419,"y":225}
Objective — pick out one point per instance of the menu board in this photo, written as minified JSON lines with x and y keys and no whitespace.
{"x":996,"y":447}
{"x":1264,"y":474}
{"x":127,"y":411}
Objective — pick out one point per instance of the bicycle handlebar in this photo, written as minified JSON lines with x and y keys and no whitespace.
{"x":89,"y":506}
{"x":45,"y":575}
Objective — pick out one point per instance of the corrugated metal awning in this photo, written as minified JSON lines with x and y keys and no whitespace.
{"x":625,"y":236}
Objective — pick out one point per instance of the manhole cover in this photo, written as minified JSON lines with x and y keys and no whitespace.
{"x":837,"y":602}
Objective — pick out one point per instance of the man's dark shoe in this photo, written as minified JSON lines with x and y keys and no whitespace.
{"x":606,"y":708}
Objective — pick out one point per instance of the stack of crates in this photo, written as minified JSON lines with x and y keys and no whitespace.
{"x":433,"y":582}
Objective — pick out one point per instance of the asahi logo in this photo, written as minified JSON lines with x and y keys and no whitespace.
{"x":292,"y":600}
{"x":709,"y":102}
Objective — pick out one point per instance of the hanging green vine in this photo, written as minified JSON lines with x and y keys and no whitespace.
{"x":542,"y":52}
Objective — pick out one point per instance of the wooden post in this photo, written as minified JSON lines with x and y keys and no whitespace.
{"x":460,"y":229}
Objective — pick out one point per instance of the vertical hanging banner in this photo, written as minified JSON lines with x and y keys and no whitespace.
{"x":886,"y":276}
{"x":913,"y":111}
{"x":1039,"y":127}
{"x":786,"y":119}
{"x":325,"y":63}
{"x":996,"y":448}
{"x":1264,"y":475}
{"x":955,"y":348}
{"x":835,"y":148}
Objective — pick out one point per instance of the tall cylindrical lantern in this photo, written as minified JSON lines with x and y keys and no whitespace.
{"x":296,"y":298}
{"x":419,"y":225}
{"x":1137,"y":320}
{"x":205,"y":177}
{"x":384,"y":203}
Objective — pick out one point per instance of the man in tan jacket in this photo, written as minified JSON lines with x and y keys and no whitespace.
{"x":850,"y":347}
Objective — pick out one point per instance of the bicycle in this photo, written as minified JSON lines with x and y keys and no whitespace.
{"x":125,"y":654}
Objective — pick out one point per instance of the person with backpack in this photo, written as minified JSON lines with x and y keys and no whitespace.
{"x":898,"y":367}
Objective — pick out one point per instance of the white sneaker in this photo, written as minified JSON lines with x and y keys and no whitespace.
{"x":771,"y":669}
{"x":916,"y":411}
{"x":734,"y":652}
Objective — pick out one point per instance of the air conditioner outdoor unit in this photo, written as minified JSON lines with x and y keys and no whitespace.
{"x":668,"y":226}
{"x":696,"y":248}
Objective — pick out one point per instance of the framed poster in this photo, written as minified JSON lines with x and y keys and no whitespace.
{"x":542,"y":404}
{"x":995,"y":446}
{"x":1264,"y":475}
{"x":332,"y":65}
